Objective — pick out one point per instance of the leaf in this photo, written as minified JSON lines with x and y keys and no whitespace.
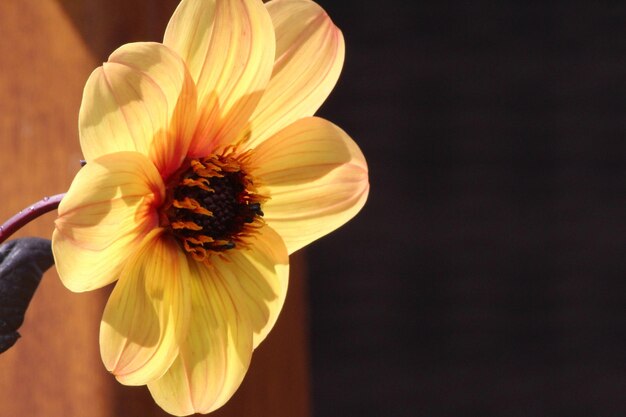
{"x":22,"y":263}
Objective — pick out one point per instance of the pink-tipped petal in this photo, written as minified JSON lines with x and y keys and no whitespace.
{"x":147,"y":314}
{"x":235,"y":303}
{"x":108,"y":209}
{"x":309,"y":56}
{"x":229,"y":47}
{"x":316,"y":177}
{"x":215,"y":356}
{"x":142,"y":99}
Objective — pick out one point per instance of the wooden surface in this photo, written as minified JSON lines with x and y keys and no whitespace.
{"x":47,"y":50}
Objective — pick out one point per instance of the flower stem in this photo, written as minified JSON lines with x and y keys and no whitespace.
{"x":29,"y":214}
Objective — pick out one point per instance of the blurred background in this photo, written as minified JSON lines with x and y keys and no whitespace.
{"x":485,"y":275}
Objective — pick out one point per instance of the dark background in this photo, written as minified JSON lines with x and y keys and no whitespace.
{"x":485,"y":276}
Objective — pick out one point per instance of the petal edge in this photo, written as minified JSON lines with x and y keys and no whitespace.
{"x":316,"y":177}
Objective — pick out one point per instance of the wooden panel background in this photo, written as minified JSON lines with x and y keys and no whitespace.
{"x":47,"y":50}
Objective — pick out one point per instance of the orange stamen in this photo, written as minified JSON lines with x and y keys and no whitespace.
{"x":185,"y":225}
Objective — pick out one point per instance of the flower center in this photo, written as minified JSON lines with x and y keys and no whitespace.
{"x":212,"y":205}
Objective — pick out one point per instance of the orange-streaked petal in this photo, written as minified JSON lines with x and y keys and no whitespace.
{"x":309,"y":56}
{"x":229,"y":47}
{"x":216,"y":354}
{"x":147,"y":314}
{"x":109,"y":207}
{"x":142,"y":99}
{"x":316,"y":177}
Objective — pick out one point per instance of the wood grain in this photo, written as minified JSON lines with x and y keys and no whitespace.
{"x":47,"y":50}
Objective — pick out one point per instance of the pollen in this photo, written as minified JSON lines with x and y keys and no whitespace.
{"x":212,"y":205}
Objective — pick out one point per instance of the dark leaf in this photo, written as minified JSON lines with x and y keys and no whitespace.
{"x":22,"y":263}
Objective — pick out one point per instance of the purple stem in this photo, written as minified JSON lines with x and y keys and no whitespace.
{"x":29,"y":214}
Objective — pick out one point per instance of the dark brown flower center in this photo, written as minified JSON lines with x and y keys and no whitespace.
{"x":212,"y":204}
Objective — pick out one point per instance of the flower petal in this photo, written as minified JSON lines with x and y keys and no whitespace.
{"x":229,"y":48}
{"x":148,"y":311}
{"x":106,"y":212}
{"x":258,"y":279}
{"x":215,"y":357}
{"x":309,"y":56}
{"x":316,"y":177}
{"x":142,"y":99}
{"x":239,"y":295}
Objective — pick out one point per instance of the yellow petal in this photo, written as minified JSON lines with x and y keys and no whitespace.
{"x":309,"y":57}
{"x":258,"y":278}
{"x":108,"y":209}
{"x":235,"y":303}
{"x":189,"y":32}
{"x":148,"y":312}
{"x":229,"y":48}
{"x":316,"y":178}
{"x":214,"y":357}
{"x":142,"y":99}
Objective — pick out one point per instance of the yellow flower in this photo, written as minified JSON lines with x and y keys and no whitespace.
{"x":205,"y":170}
